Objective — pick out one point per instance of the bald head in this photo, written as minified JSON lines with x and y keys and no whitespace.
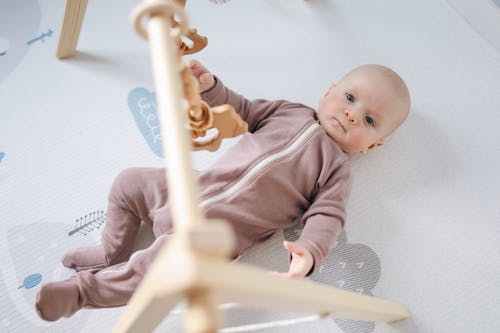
{"x":392,"y":85}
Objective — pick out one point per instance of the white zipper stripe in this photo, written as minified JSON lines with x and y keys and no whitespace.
{"x":259,"y":166}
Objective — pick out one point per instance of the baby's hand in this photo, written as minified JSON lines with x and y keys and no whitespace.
{"x":302,"y":260}
{"x":203,"y":75}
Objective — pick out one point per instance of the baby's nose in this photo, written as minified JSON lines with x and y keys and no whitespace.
{"x":350,"y":117}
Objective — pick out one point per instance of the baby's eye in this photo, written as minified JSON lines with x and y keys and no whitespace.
{"x":349,"y":97}
{"x":369,"y":120}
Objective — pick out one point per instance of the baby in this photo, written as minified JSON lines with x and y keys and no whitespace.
{"x":294,"y":163}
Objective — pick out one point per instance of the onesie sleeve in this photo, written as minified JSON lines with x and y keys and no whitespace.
{"x":254,"y":112}
{"x":324,"y":220}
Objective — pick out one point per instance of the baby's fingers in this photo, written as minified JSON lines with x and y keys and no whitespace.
{"x":292,"y":247}
{"x":196,"y":67}
{"x":207,"y":81}
{"x":207,"y":78}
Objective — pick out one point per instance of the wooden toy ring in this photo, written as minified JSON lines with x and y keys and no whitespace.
{"x":153,"y":7}
{"x":198,"y":42}
{"x":201,"y":122}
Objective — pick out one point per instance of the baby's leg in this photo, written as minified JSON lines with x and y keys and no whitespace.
{"x":109,"y":287}
{"x":122,"y":224}
{"x":135,"y":195}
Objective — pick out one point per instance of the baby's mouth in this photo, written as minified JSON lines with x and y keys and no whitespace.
{"x":340,"y":124}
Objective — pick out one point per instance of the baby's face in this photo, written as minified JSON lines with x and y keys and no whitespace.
{"x":361,"y":110}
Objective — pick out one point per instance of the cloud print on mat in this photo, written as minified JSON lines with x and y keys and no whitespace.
{"x":142,"y":104}
{"x":354,"y":267}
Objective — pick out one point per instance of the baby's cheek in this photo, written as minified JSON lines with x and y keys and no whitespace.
{"x":357,"y":142}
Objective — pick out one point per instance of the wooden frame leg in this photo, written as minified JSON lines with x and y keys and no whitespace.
{"x":180,"y":273}
{"x":71,"y":27}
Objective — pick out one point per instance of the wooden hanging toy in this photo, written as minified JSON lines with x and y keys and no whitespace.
{"x":198,"y":250}
{"x":199,"y":114}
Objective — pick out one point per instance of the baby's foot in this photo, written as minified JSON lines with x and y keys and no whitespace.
{"x":85,"y":258}
{"x":58,"y":299}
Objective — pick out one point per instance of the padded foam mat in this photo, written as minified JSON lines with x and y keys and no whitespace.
{"x":424,"y":215}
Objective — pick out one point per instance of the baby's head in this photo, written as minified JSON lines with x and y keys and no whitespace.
{"x":367,"y":105}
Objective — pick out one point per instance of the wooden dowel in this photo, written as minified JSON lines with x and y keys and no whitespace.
{"x":182,"y":187}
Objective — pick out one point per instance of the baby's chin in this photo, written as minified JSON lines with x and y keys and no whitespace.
{"x":337,"y":140}
{"x":347,"y":148}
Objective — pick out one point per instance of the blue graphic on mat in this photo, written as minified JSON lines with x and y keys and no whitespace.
{"x":19,"y":22}
{"x":31,"y":281}
{"x":2,"y":155}
{"x":41,"y":37}
{"x":142,"y":104}
{"x":354,"y":267}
